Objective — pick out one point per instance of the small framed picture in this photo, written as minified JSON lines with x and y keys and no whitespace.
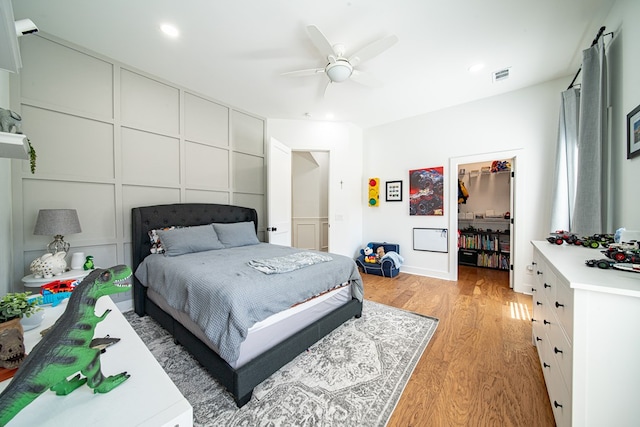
{"x":633,"y":133}
{"x":394,"y":191}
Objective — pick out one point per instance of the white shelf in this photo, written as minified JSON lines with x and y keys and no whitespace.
{"x":14,"y":146}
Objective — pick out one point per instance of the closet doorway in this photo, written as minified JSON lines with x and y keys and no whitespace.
{"x":310,"y":200}
{"x":485,"y":220}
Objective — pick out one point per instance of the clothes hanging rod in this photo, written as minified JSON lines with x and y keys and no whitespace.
{"x":595,"y":41}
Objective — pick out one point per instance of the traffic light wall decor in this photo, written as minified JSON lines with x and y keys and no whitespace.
{"x":374,"y":192}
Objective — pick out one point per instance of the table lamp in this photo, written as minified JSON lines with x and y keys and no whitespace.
{"x":57,"y":223}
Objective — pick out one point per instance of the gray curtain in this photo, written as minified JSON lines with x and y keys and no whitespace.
{"x":582,"y":186}
{"x":591,"y":210}
{"x":564,"y":191}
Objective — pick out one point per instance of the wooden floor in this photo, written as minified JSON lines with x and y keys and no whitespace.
{"x":480,"y":368}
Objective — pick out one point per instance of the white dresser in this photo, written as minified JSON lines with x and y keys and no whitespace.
{"x":148,"y":398}
{"x":586,"y":326}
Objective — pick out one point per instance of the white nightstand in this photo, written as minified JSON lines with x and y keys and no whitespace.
{"x":31,"y":282}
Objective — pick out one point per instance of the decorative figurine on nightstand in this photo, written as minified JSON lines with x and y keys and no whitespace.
{"x":88,"y":264}
{"x":65,"y":350}
{"x":48,"y":265}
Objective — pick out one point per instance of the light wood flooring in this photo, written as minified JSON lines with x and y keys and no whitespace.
{"x":480,"y":368}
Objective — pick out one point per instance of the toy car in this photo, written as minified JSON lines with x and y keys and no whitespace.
{"x":58,"y":286}
{"x":600,"y":263}
{"x":561,"y":236}
{"x":624,"y":252}
{"x":596,"y":240}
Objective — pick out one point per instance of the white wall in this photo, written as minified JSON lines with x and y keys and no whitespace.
{"x":6,"y":253}
{"x":624,"y":78}
{"x":344,"y":143}
{"x":523,"y":122}
{"x":487,"y":191}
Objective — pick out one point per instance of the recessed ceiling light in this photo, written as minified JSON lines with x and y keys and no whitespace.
{"x":329,"y":116}
{"x":476,"y":67}
{"x":169,"y":30}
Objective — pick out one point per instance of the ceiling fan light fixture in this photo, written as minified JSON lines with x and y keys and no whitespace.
{"x":339,"y":71}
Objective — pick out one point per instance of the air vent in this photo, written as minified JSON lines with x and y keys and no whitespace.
{"x":501,"y":75}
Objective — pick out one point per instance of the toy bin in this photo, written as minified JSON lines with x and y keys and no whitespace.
{"x":387,"y":267}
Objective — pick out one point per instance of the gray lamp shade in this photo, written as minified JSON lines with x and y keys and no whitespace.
{"x":57,"y":222}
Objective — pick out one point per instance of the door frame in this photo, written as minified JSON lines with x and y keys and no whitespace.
{"x":312,"y":150}
{"x":454,"y":163}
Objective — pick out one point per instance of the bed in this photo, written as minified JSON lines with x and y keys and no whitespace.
{"x":269,"y":343}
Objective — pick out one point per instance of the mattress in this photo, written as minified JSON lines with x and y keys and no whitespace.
{"x":272,"y":330}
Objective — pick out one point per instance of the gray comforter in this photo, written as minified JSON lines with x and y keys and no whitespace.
{"x":225,"y":297}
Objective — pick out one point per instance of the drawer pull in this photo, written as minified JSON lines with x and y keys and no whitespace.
{"x":546,"y":322}
{"x":534,"y":263}
{"x":533,"y":289}
{"x":556,"y":350}
{"x":558,"y":305}
{"x":538,"y":303}
{"x":538,"y":272}
{"x":556,"y":404}
{"x":546,"y":365}
{"x":538,"y":339}
{"x":547,"y":286}
{"x":533,"y":320}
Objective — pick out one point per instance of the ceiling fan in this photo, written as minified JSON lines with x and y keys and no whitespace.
{"x":340,"y":67}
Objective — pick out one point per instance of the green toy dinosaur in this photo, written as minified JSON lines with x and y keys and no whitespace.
{"x":65,"y":349}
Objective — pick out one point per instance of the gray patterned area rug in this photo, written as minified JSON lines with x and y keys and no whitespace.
{"x":352,"y":377}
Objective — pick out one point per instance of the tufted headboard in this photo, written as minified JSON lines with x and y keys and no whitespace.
{"x":144,"y":219}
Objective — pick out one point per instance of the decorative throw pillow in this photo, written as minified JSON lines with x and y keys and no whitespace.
{"x":156,"y":244}
{"x":189,"y":239}
{"x":237,"y":234}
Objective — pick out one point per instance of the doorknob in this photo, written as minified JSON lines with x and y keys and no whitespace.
{"x":272,"y":228}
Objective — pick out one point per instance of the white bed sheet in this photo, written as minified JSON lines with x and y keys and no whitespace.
{"x":272,"y":330}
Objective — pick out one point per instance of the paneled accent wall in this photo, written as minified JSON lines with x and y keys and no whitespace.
{"x":109,"y":138}
{"x":311,"y":233}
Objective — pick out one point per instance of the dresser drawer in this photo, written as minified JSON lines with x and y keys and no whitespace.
{"x":562,"y":352}
{"x":549,"y":285}
{"x":560,"y":398}
{"x":563,"y":307}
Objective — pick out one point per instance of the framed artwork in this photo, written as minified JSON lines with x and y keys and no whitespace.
{"x":633,"y":133}
{"x":426,"y":191}
{"x":394,"y":191}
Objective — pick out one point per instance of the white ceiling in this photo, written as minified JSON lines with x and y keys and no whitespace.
{"x":235,"y":51}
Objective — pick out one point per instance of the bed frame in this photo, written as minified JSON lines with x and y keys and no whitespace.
{"x":241,"y":381}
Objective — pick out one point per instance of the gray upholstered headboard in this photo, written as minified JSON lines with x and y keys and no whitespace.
{"x":144,"y":219}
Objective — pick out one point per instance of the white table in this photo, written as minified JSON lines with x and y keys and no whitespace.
{"x":148,"y":398}
{"x":31,"y":282}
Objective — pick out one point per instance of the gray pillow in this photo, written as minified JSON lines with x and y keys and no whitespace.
{"x":186,"y":240}
{"x":237,"y":234}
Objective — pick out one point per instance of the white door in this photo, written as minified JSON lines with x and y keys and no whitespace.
{"x":512,"y":228}
{"x":279,"y":193}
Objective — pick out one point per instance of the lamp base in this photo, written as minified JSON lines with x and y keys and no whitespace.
{"x":58,"y":245}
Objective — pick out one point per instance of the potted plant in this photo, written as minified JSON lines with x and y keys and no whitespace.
{"x":13,"y":308}
{"x":16,"y":305}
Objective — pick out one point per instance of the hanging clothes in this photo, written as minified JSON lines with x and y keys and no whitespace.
{"x":463,"y":194}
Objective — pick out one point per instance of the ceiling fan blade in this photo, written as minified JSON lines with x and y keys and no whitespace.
{"x":302,"y":73}
{"x":326,"y":89}
{"x":321,"y":42}
{"x":373,"y":49}
{"x":365,"y":79}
